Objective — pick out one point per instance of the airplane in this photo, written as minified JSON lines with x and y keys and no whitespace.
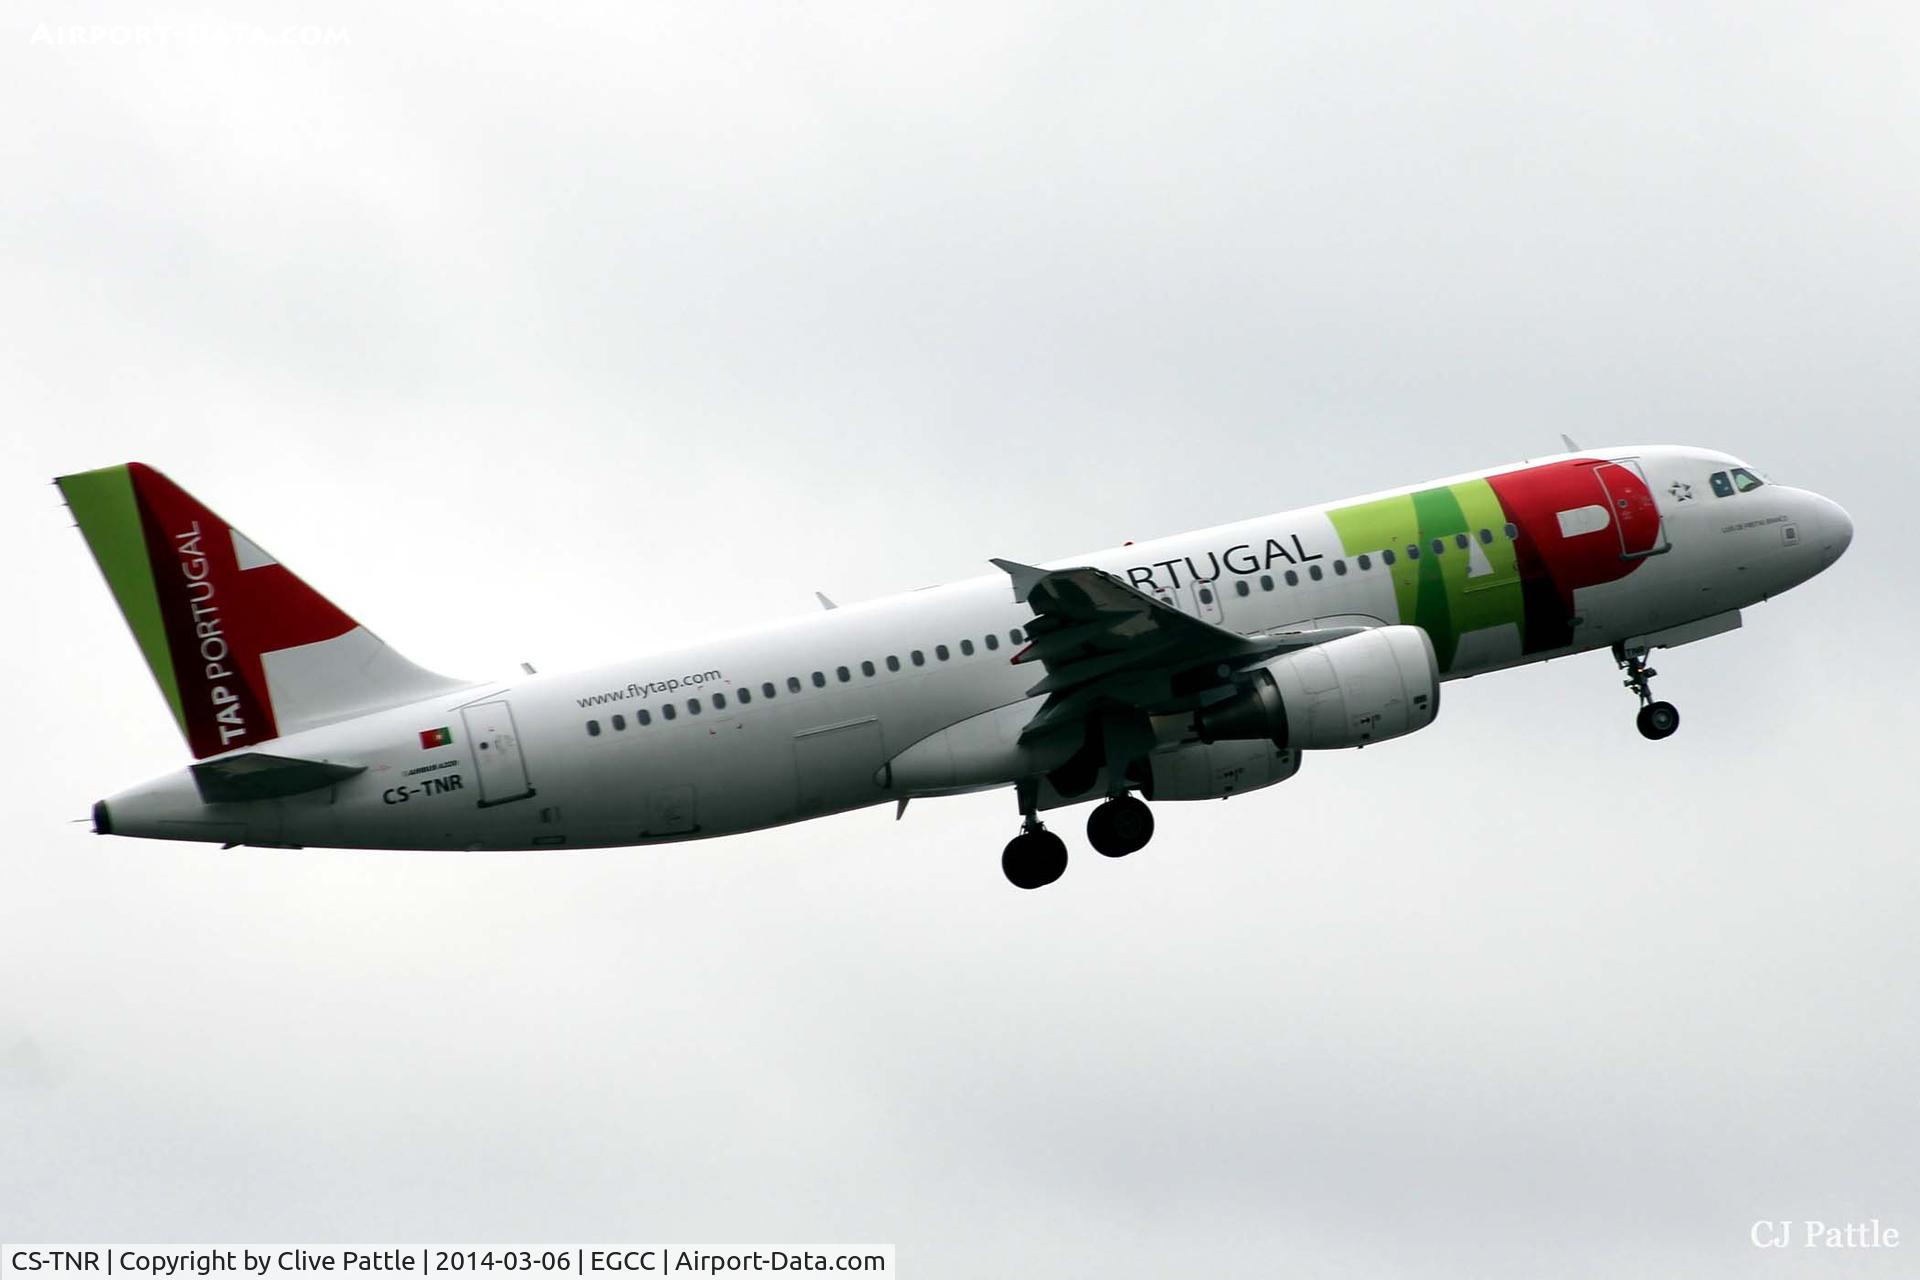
{"x":1193,"y":667}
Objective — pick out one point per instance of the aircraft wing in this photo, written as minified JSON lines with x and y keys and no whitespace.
{"x":1103,"y":641}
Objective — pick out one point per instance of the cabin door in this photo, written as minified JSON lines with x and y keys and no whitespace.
{"x":496,"y":753}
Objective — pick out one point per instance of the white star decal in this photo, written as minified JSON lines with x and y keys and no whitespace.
{"x":1681,"y":491}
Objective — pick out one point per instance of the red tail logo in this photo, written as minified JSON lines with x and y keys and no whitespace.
{"x":224,"y":603}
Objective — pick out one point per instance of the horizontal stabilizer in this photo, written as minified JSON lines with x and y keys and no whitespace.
{"x":259,"y":776}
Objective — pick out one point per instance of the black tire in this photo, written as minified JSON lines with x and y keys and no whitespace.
{"x":1119,"y":827}
{"x":1034,"y":859}
{"x":1657,"y":720}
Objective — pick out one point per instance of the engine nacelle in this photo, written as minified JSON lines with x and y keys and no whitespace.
{"x":1216,"y":770}
{"x":1348,"y":692}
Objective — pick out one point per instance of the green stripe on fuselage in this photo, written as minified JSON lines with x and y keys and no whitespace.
{"x":1375,"y":526}
{"x":103,"y":503}
{"x":1441,"y":593}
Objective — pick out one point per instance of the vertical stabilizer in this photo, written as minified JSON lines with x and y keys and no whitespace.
{"x":243,"y":651}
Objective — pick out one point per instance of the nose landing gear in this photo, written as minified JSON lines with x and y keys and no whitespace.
{"x":1656,"y":720}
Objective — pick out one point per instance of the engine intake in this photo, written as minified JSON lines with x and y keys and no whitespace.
{"x":1365,"y":688}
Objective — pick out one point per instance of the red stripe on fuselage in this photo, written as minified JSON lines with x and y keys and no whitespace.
{"x":1553,"y":566}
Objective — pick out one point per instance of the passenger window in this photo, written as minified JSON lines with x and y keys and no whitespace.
{"x":766,"y":689}
{"x":1313,"y":571}
{"x":1439,"y":546}
{"x":1386,"y":557}
{"x":1015,"y":636}
{"x":793,"y":684}
{"x":1722,"y":487}
{"x":966,"y":648}
{"x":1266,"y":582}
{"x":941,"y":652}
{"x":868,"y":669}
{"x":1512,"y":531}
{"x":1293,"y":579}
{"x":743,"y":696}
{"x":843,"y":674}
{"x":667,"y":711}
{"x":719,"y":702}
{"x":1745,"y":481}
{"x":1206,"y":595}
{"x":1461,"y":540}
{"x":1413,"y":551}
{"x":1340,"y":568}
{"x":893,"y":662}
{"x":1365,"y":562}
{"x":593,"y":728}
{"x":1486,"y":537}
{"x":1240,"y":588}
{"x":693,"y":706}
{"x":643,"y":717}
{"x":619,"y":724}
{"x":918,"y":658}
{"x":819,"y":679}
{"x":993,"y":642}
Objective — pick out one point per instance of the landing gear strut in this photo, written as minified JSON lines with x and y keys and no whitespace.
{"x":1656,"y":720}
{"x":1036,"y":857}
{"x":1123,"y":824}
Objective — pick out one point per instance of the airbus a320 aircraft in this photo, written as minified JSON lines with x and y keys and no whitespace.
{"x":1190,"y":668}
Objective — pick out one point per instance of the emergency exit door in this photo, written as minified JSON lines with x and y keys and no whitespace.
{"x":497,"y":760}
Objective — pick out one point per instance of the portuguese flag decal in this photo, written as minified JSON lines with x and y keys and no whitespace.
{"x":431,"y":738}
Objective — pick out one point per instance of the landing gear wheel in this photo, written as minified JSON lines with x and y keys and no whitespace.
{"x":1657,"y":720}
{"x":1034,"y":859}
{"x":1120,"y":826}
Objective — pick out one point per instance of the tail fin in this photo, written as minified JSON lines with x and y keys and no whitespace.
{"x":243,"y":651}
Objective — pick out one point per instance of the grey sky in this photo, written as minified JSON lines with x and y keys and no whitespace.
{"x":558,"y":339}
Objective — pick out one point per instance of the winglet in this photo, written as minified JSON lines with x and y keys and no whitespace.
{"x":825,"y":603}
{"x":1567,"y":440}
{"x":1025,"y":577}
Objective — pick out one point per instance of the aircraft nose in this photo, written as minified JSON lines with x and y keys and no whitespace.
{"x":1836,"y":527}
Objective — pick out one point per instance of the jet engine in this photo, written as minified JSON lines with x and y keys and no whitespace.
{"x":1348,"y":692}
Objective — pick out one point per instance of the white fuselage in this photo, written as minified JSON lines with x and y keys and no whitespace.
{"x":799,"y":719}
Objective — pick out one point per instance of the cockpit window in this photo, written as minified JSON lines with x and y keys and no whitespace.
{"x":1745,"y":481}
{"x":1722,"y":487}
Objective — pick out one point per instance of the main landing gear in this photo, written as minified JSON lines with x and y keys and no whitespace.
{"x":1121,"y":826}
{"x":1656,"y":720}
{"x":1037,"y":857}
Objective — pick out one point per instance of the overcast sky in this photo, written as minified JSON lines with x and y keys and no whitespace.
{"x":559,"y":338}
